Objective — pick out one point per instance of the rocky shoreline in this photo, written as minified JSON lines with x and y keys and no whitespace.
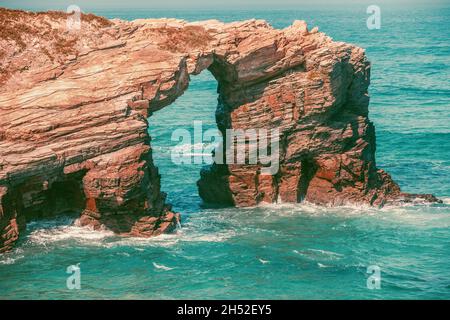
{"x":75,"y":108}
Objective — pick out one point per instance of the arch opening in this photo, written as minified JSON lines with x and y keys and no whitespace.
{"x":181,"y":146}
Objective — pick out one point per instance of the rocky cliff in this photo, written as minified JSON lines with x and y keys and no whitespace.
{"x":75,"y":107}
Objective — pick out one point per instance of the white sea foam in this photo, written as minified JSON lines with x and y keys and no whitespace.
{"x":196,"y":149}
{"x":325,"y":252}
{"x":210,"y":227}
{"x":170,"y":240}
{"x":320,"y":265}
{"x":220,"y":236}
{"x":72,"y":232}
{"x":9,"y":260}
{"x":125,"y":254}
{"x":11,"y":257}
{"x":46,"y":233}
{"x":161,"y":266}
{"x":310,"y":209}
{"x":319,"y":254}
{"x":417,"y":214}
{"x":164,"y":240}
{"x":422,"y":216}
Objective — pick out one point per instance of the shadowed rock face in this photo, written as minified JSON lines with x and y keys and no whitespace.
{"x":74,"y":106}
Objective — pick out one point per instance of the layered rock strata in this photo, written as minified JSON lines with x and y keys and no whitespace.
{"x":75,"y":106}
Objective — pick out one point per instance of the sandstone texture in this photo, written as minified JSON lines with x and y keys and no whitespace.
{"x":75,"y":105}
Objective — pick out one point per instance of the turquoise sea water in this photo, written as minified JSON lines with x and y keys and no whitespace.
{"x":281,"y":251}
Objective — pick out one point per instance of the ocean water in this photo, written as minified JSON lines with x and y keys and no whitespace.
{"x":280,"y":251}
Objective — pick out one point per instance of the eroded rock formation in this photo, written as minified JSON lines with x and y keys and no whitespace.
{"x":74,"y":109}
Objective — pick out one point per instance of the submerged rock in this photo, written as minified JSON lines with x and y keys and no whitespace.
{"x":74,"y":106}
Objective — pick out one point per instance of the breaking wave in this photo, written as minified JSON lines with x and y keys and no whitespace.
{"x":65,"y":231}
{"x":161,"y":266}
{"x":315,"y":254}
{"x":71,"y":232}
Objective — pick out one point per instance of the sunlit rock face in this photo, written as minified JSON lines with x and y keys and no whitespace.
{"x":74,"y":105}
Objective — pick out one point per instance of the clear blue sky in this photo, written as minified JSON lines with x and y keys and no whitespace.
{"x":205,"y":4}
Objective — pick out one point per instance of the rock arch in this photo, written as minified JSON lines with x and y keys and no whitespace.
{"x":73,"y":118}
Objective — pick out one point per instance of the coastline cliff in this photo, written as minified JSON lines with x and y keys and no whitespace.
{"x":75,"y":103}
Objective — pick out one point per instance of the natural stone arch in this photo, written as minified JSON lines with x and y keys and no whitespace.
{"x":77,"y":112}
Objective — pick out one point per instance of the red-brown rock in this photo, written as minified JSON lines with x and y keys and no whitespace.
{"x":74,"y":106}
